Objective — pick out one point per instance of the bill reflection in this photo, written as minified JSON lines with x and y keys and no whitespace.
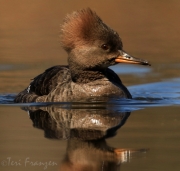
{"x":86,"y":130}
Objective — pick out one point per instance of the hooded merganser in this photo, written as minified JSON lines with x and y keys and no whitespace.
{"x":92,"y":47}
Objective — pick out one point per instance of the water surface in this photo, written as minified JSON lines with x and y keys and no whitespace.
{"x":121,"y":134}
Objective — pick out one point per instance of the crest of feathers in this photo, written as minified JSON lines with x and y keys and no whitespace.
{"x":82,"y":27}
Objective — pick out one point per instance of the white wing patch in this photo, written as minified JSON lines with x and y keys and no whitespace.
{"x":28,"y":89}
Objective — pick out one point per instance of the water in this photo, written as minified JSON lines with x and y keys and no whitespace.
{"x":137,"y":134}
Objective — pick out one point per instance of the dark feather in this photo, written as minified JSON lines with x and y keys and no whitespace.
{"x":44,"y":83}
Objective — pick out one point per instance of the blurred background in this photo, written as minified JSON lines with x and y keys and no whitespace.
{"x":29,"y":37}
{"x":29,"y":44}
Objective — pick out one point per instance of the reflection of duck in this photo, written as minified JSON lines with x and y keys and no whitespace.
{"x":86,"y":130}
{"x":82,"y":123}
{"x":92,"y":47}
{"x":95,"y":155}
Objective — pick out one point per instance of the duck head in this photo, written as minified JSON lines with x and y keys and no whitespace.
{"x":91,"y":44}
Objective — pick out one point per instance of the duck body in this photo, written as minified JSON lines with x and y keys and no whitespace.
{"x":92,"y":47}
{"x":55,"y":85}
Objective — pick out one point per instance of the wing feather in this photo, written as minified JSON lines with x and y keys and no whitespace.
{"x":44,"y":83}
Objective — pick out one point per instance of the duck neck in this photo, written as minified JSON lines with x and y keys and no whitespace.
{"x":80,"y":73}
{"x":85,"y":76}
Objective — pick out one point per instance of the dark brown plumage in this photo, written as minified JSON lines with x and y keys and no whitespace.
{"x":92,"y":47}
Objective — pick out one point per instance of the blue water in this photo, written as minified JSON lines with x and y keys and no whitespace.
{"x":142,"y":130}
{"x":131,"y":69}
{"x":146,"y":95}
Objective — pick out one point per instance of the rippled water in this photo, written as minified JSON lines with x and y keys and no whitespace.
{"x":120,"y":134}
{"x":145,"y":95}
{"x":90,"y":134}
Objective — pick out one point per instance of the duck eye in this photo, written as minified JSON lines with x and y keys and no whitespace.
{"x":105,"y":47}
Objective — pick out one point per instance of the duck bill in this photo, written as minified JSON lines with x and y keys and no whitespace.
{"x":126,"y":58}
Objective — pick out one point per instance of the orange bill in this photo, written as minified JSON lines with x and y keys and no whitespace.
{"x":126,"y":58}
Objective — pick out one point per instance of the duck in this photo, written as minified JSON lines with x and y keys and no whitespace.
{"x":92,"y":47}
